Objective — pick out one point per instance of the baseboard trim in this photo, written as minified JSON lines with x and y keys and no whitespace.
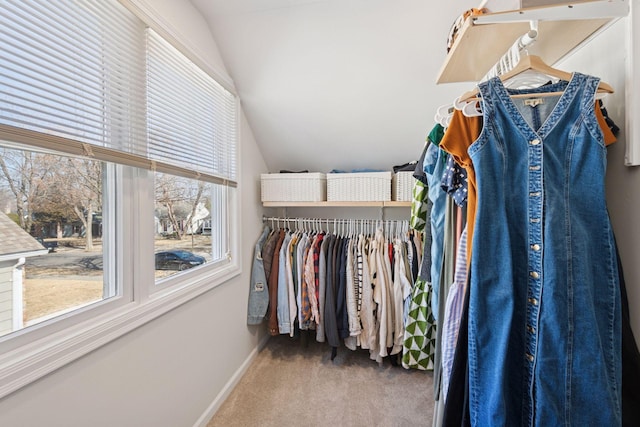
{"x":231,"y":384}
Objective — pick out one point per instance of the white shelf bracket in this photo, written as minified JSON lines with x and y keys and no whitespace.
{"x":530,"y":37}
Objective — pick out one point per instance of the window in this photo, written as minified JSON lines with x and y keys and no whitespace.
{"x":191,"y":229}
{"x":181,"y":102}
{"x":183,"y":227}
{"x":117,"y":180}
{"x":57,"y":204}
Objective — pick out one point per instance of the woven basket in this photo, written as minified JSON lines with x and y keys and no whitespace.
{"x":402,"y":186}
{"x":293,"y":187}
{"x":359,"y":187}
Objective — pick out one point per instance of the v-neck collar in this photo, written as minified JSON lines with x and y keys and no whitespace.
{"x":568,"y":92}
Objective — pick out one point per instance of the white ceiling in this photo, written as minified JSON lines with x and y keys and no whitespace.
{"x":336,"y":84}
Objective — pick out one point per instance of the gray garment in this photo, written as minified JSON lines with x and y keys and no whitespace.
{"x":267,"y":252}
{"x":330,"y":320}
{"x":425,"y":266}
{"x":438,"y":413}
{"x":446,"y":278}
{"x":284,"y":321}
{"x":259,"y":292}
{"x":322,"y":287}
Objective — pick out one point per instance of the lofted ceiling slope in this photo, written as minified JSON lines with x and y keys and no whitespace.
{"x":336,"y":84}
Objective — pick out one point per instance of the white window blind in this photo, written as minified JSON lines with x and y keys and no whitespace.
{"x":72,"y":70}
{"x":191,"y":118}
{"x":86,"y":78}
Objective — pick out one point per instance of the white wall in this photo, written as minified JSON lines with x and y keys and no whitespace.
{"x":169,"y":371}
{"x":179,"y":21}
{"x":604,"y":56}
{"x":330,"y":84}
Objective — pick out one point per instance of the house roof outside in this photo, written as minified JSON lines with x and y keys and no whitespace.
{"x":16,"y":242}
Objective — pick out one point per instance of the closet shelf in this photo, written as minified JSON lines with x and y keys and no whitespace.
{"x":335,"y":204}
{"x":483,"y":39}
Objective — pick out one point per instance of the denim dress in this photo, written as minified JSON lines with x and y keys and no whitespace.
{"x":544,"y":303}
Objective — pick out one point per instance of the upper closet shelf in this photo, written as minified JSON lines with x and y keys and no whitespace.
{"x":483,"y":39}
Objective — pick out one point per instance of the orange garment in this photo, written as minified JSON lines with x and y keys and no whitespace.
{"x":461,"y":133}
{"x":609,"y":137}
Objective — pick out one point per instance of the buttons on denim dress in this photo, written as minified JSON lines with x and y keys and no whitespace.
{"x":535,"y":193}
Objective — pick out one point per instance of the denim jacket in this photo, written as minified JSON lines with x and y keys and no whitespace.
{"x":258,"y":293}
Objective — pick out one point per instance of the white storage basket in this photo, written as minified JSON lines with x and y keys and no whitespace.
{"x":359,"y":187}
{"x":402,"y":186}
{"x":293,"y":187}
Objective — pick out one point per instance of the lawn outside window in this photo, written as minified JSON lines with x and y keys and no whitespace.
{"x":105,"y":165}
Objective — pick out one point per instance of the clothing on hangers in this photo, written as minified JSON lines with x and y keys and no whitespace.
{"x":547,"y":395}
{"x":453,"y":313}
{"x":349,"y":286}
{"x":434,"y":167}
{"x":258,"y":291}
{"x":462,"y":128}
{"x":540,"y":252}
{"x":272,"y":281}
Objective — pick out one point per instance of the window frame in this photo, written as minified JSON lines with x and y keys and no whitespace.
{"x":158,"y":286}
{"x":31,"y":353}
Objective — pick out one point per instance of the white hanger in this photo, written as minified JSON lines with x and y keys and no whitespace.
{"x":472,"y":108}
{"x":469,"y":108}
{"x":443,"y":115}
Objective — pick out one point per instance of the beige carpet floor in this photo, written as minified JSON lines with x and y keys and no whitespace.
{"x":295,"y":383}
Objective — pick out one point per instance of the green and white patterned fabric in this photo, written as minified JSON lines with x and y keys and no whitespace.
{"x":419,"y":206}
{"x":420,"y":330}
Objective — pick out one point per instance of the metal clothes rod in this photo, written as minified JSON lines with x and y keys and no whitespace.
{"x":340,"y":225}
{"x":331,"y":220}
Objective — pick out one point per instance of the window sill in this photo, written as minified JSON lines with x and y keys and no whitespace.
{"x":29,"y":362}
